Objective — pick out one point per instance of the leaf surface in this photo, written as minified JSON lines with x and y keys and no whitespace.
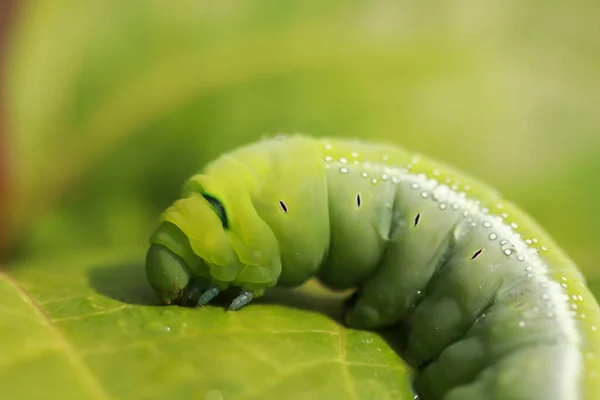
{"x":90,"y":327}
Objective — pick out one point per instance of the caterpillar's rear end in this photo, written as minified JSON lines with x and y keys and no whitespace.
{"x":495,"y":309}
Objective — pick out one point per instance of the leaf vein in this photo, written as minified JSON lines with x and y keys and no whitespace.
{"x":344,"y":365}
{"x":85,"y":374}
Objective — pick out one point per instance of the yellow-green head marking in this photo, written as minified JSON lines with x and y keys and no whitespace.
{"x":239,"y":221}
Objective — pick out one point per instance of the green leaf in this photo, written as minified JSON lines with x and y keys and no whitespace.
{"x":90,"y":327}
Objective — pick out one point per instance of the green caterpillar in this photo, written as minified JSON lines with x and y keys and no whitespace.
{"x":493,"y":308}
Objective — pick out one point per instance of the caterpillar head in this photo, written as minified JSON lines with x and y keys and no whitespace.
{"x":209,"y":240}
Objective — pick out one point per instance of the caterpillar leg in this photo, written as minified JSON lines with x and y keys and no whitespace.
{"x":244,"y":298}
{"x":387,"y":296}
{"x":208,"y":295}
{"x":412,"y":256}
{"x":191,"y":293}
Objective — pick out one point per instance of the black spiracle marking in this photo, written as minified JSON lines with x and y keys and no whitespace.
{"x":358,"y":200}
{"x":476,"y":254}
{"x":218,"y":208}
{"x":417,"y":219}
{"x":283,"y":206}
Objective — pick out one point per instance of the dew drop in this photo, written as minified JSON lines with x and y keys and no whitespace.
{"x":157,"y":326}
{"x":213,"y":395}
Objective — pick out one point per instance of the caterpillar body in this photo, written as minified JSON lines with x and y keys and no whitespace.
{"x":493,"y":308}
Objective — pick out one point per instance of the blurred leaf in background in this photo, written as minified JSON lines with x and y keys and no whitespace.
{"x":111,"y":105}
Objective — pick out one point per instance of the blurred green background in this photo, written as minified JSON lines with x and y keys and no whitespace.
{"x":110,"y":105}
